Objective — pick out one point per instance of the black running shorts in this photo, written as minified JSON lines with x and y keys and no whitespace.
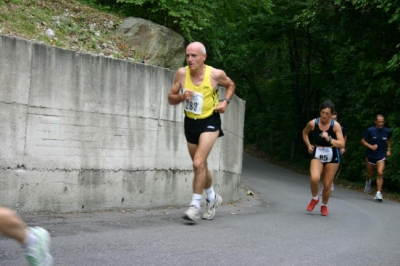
{"x":194,"y":127}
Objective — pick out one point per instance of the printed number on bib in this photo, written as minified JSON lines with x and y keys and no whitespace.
{"x":324,"y":154}
{"x":195,"y":105}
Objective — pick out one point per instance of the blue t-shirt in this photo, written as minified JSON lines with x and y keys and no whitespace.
{"x":374,"y":135}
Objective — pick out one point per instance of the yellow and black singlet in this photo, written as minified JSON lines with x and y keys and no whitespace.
{"x":205,"y":98}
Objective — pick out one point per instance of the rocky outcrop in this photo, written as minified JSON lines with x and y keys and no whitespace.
{"x":153,"y":43}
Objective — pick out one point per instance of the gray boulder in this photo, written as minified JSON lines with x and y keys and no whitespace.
{"x":153,"y":43}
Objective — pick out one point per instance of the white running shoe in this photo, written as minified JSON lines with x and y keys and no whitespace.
{"x":209,"y":210}
{"x":367,"y":188}
{"x":192,"y":214}
{"x":378,"y":196}
{"x":39,"y":253}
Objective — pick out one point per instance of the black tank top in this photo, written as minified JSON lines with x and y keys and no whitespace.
{"x":320,"y":141}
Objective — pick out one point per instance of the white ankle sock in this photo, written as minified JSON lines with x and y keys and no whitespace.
{"x":210,"y":194}
{"x":30,"y":240}
{"x":196,"y":200}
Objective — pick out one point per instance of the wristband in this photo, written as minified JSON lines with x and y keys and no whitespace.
{"x":227,"y":100}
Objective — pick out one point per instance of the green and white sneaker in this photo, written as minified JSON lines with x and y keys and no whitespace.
{"x":39,"y":253}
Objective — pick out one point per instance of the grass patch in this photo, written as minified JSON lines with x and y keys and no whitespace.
{"x":76,"y":26}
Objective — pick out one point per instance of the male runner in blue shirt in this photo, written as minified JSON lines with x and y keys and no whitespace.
{"x":377,"y":139}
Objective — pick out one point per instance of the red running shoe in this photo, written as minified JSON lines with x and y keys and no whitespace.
{"x":324,"y":210}
{"x":312,"y":204}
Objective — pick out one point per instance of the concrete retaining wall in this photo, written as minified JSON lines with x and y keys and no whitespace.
{"x":81,"y":132}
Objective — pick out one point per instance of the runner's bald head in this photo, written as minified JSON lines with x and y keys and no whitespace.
{"x":198,"y":45}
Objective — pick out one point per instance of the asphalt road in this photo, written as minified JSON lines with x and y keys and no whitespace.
{"x":270,"y":228}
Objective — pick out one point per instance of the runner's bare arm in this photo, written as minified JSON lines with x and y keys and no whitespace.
{"x":221,"y":79}
{"x":225,"y":81}
{"x":174,"y":95}
{"x":307,"y":129}
{"x":389,"y":147}
{"x":339,"y":141}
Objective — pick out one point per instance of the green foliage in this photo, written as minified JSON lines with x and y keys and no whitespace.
{"x":362,"y":55}
{"x":203,"y":21}
{"x":285,"y":64}
{"x":176,"y":14}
